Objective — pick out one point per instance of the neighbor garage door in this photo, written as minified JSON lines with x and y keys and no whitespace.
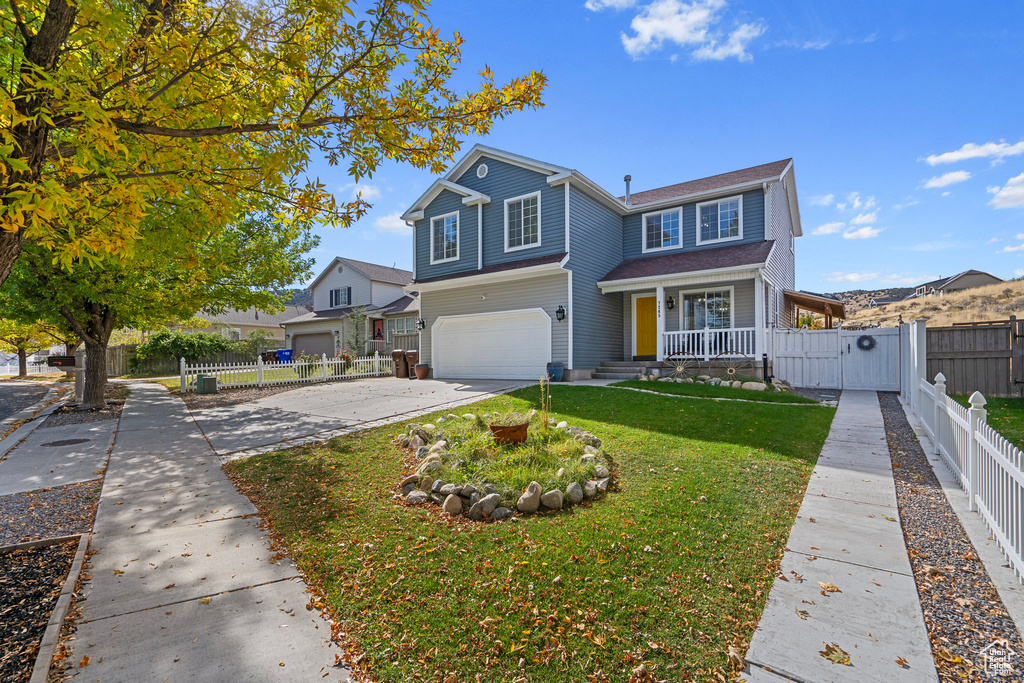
{"x":314,"y":344}
{"x":509,"y":345}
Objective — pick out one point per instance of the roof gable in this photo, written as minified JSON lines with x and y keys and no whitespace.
{"x":479,"y":150}
{"x":371,"y":271}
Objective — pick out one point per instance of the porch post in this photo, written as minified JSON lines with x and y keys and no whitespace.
{"x":661,"y":323}
{"x":759,"y":331}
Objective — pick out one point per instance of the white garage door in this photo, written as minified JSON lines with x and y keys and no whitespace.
{"x":508,"y":345}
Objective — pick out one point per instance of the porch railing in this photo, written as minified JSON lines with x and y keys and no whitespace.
{"x":406,"y":342}
{"x":706,"y":344}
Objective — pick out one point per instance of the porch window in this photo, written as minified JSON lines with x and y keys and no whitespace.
{"x":710,"y":310}
{"x":522,"y":222}
{"x":444,"y":238}
{"x":400,"y":326}
{"x":661,"y":230}
{"x":720,"y":221}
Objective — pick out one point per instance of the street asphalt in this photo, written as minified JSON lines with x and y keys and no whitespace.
{"x":15,"y":396}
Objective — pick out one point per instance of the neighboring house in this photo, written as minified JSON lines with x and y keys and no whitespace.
{"x":520,"y":262}
{"x":236,"y":325}
{"x":969,"y":279}
{"x":884,"y":301}
{"x":344,"y":286}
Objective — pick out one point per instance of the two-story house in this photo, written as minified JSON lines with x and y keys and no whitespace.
{"x":344,"y":286}
{"x":519,"y":262}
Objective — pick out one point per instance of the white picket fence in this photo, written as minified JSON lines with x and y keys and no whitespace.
{"x":260,"y":374}
{"x":989,"y":468}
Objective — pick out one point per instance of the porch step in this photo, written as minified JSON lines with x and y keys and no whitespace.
{"x":626,"y":363}
{"x":619,"y":376}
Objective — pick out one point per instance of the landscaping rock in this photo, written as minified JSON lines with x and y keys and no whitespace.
{"x":415,"y":442}
{"x":430,"y":466}
{"x":439,"y":447}
{"x":408,"y":488}
{"x":468,"y":490}
{"x":452,"y":505}
{"x":560,"y":473}
{"x":437,"y":498}
{"x":602,"y":484}
{"x":452,"y":416}
{"x":574,"y":492}
{"x":553,"y":500}
{"x":532,"y":414}
{"x":562,"y":425}
{"x":490,"y":488}
{"x":411,"y":479}
{"x":429,"y":428}
{"x":551,"y":422}
{"x":737,"y":384}
{"x":436,"y":486}
{"x":687,"y":380}
{"x":589,"y":488}
{"x":474,"y":498}
{"x":754,"y":386}
{"x":590,"y":450}
{"x":600,"y":471}
{"x":530,"y":500}
{"x":500,"y":514}
{"x":489,"y":503}
{"x":703,"y":378}
{"x":476,"y":512}
{"x":450,"y":490}
{"x":426,"y":483}
{"x":468,"y":416}
{"x":422,"y":452}
{"x":416,"y":498}
{"x":405,"y":443}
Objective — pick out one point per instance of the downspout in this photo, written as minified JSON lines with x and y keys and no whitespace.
{"x":479,"y":236}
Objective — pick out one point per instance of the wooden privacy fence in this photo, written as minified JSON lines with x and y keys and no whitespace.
{"x":988,"y":467}
{"x":118,"y":356}
{"x":987,"y":357}
{"x":260,"y":374}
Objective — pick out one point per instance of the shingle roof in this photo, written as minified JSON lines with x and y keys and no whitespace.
{"x":395,"y":276}
{"x":749,"y":254}
{"x":253,"y":316}
{"x":400,"y":305}
{"x":711,"y":183}
{"x":328,"y":314}
{"x":498,"y":268}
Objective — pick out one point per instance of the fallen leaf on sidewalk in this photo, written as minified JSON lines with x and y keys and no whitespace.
{"x":172,"y":585}
{"x":802,"y":613}
{"x":903,"y":662}
{"x":835,"y":654}
{"x":85,"y":661}
{"x":204,"y":601}
{"x":828,"y":588}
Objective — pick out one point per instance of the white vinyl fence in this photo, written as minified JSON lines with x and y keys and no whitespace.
{"x":260,"y":374}
{"x":989,"y":468}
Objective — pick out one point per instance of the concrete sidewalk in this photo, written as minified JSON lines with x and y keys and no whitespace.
{"x":185,"y":585}
{"x":847,"y":534}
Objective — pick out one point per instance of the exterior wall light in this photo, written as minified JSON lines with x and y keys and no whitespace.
{"x":560,"y":313}
{"x":420,"y":323}
{"x":671,"y":303}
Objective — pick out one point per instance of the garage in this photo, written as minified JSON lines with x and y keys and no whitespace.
{"x":506,"y":345}
{"x":314,"y":344}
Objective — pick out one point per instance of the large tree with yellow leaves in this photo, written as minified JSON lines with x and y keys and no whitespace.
{"x":113,"y":106}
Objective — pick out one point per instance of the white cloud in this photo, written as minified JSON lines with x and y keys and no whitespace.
{"x":996,"y":239}
{"x":903,"y":279}
{"x":947,"y":179}
{"x":598,"y":5}
{"x":392,"y":223}
{"x":863,"y":218}
{"x":905,"y":204}
{"x":941,"y":245}
{"x":862,"y":233}
{"x":994,"y":150}
{"x":822,"y":200}
{"x":852,"y":277}
{"x":1010,"y":195}
{"x":688,"y":24}
{"x":1008,"y":249}
{"x":1019,"y":272}
{"x":947,"y":193}
{"x":829,"y":228}
{"x":1020,"y":236}
{"x":366,"y":192}
{"x":819,"y":44}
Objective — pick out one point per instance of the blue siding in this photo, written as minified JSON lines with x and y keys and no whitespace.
{"x":504,"y":180}
{"x":446,"y":202}
{"x":595,"y":231}
{"x":753,"y":227}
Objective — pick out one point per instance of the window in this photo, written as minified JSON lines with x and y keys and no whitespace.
{"x":720,"y":220}
{"x":400,"y":326}
{"x":341,"y":297}
{"x":661,"y":230}
{"x":710,"y":310}
{"x":522,"y":222}
{"x":444,"y":238}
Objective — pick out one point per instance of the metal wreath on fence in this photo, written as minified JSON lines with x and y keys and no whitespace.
{"x":866,"y":342}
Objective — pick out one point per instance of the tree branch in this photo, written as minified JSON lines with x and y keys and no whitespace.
{"x":217,"y":131}
{"x":20,"y":22}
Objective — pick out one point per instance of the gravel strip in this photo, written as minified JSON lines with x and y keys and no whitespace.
{"x":48,"y":513}
{"x":827,"y":396}
{"x":962,"y":609}
{"x":71,"y":415}
{"x":30,"y":583}
{"x":232,"y":397}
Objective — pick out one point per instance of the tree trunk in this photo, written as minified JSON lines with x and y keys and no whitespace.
{"x":95,"y":375}
{"x":22,"y":363}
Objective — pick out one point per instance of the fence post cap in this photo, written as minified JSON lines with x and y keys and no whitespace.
{"x":940,"y":378}
{"x":977,"y":400}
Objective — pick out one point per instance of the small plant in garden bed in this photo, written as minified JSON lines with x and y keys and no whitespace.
{"x":461,"y":466}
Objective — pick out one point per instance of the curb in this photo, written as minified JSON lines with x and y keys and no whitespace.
{"x":8,"y":443}
{"x":41,"y":543}
{"x":51,"y":637}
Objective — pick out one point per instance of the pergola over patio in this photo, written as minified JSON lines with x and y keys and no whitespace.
{"x":822,"y":304}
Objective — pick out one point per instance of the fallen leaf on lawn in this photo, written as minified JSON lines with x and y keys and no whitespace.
{"x":835,"y":654}
{"x":903,"y":662}
{"x":85,"y":661}
{"x":829,"y":587}
{"x":945,"y":655}
{"x":802,"y":613}
{"x":735,"y":656}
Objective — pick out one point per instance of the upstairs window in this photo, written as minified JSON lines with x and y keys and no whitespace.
{"x":341,"y":296}
{"x":661,"y":230}
{"x":522,"y":222}
{"x":720,"y":221}
{"x":444,"y":238}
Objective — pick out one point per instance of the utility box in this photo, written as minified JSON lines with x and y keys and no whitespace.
{"x":206,"y":384}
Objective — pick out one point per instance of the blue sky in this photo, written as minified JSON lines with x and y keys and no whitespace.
{"x":906,"y":124}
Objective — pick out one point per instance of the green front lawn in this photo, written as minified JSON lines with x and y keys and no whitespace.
{"x":1006,"y":415}
{"x":712,"y":391}
{"x":669,"y":570}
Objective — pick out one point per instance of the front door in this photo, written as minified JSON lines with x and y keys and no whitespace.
{"x":378,"y":329}
{"x":646,"y":326}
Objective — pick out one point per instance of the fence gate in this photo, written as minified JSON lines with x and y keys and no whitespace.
{"x":839,"y":359}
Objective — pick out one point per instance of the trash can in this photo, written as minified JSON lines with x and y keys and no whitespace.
{"x":401,"y":367}
{"x":269,"y":356}
{"x":284,"y":355}
{"x":411,"y":359}
{"x":555,"y":372}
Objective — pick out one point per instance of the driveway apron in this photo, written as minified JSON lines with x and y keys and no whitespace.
{"x":847,"y":536}
{"x":185,"y":585}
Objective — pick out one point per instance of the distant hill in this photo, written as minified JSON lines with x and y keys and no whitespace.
{"x":297,"y":297}
{"x":857,"y":300}
{"x":994,"y":302}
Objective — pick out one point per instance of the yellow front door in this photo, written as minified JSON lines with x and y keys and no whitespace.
{"x":646,"y":326}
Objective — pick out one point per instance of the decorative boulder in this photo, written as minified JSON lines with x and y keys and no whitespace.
{"x":416,"y":498}
{"x":436,"y":486}
{"x":600,"y":471}
{"x":500,"y":514}
{"x":574,"y":492}
{"x":754,"y":386}
{"x":562,"y":425}
{"x":468,"y":490}
{"x":588,"y":457}
{"x":408,"y":488}
{"x":426,"y":483}
{"x":589,"y":488}
{"x":422,"y":452}
{"x":553,"y":500}
{"x":437,"y":498}
{"x":411,"y":479}
{"x":530,"y":500}
{"x":489,"y":503}
{"x":452,"y":505}
{"x":439,"y":447}
{"x":476,"y":512}
{"x":468,"y":416}
{"x":430,"y":466}
{"x":590,"y":450}
{"x":560,"y":473}
{"x":602,"y":484}
{"x":428,"y":427}
{"x":450,"y":490}
{"x":416,"y":442}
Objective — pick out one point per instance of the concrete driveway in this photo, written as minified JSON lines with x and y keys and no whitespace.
{"x":324,"y":410}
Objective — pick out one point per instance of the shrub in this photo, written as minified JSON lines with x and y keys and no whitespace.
{"x":191,"y":346}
